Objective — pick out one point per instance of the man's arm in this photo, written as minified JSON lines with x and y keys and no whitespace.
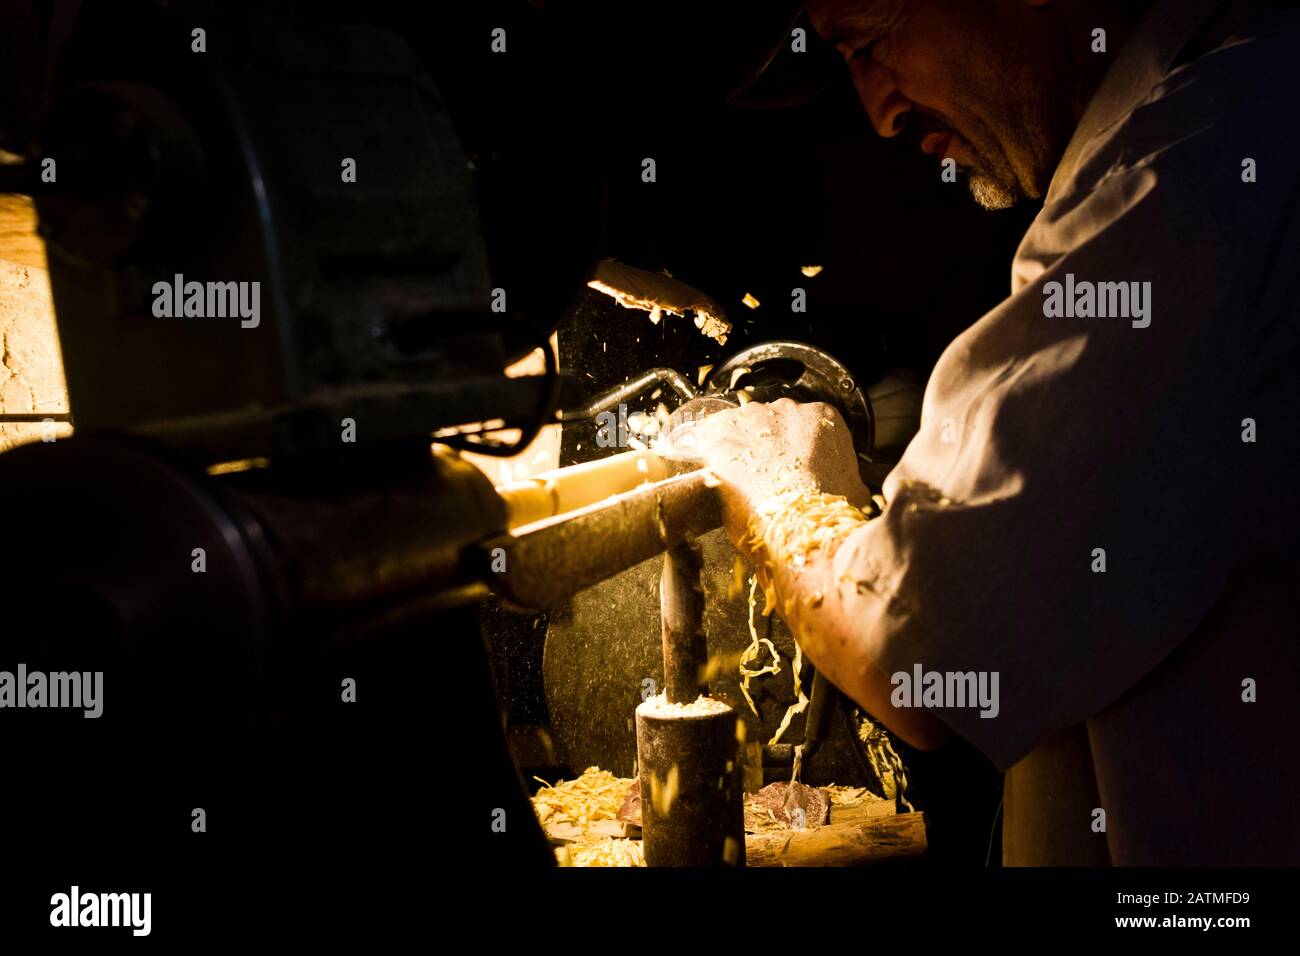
{"x":1071,"y":508}
{"x":808,"y":598}
{"x":792,"y":496}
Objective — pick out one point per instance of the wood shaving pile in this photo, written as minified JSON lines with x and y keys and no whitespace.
{"x":701,"y":706}
{"x":611,"y":852}
{"x":762,"y":819}
{"x":848,"y":796}
{"x":596,"y":795}
{"x":770,"y":809}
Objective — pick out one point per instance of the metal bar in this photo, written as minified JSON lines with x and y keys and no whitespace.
{"x":821,"y":710}
{"x":630,"y":389}
{"x":681,"y":609}
{"x":546,"y":562}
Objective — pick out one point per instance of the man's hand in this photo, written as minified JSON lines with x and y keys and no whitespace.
{"x":760,"y":451}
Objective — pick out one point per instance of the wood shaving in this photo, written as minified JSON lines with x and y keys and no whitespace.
{"x":753,"y":651}
{"x":702,"y":706}
{"x":719,"y":664}
{"x":801,"y":703}
{"x":789,"y":529}
{"x":656,"y":293}
{"x":663,"y":793}
{"x":848,"y":796}
{"x":730,"y":851}
{"x":609,"y":852}
{"x":793,"y":526}
{"x":715,"y":327}
{"x":596,"y":795}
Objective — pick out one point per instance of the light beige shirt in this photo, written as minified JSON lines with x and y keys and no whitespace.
{"x":1161,"y":696}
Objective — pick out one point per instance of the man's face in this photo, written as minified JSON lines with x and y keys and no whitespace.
{"x":976,"y":81}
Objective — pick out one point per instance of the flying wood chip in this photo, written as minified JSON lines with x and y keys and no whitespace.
{"x":656,"y":293}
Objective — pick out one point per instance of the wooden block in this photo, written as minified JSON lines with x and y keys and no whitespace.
{"x":18,"y":240}
{"x":866,"y":810}
{"x":875,"y":840}
{"x":562,"y":833}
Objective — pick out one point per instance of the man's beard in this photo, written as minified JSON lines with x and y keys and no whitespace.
{"x":992,"y":181}
{"x":995,"y":181}
{"x":992,"y":194}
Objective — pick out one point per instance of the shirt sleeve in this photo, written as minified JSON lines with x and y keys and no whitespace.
{"x":1070,"y":509}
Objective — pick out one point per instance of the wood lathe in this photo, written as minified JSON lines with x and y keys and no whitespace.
{"x":571,"y":528}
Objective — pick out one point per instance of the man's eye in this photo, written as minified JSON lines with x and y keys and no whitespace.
{"x":865,"y":51}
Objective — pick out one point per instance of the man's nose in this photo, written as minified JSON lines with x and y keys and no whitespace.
{"x":886,"y":107}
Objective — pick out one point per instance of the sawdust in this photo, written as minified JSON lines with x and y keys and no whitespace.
{"x":701,"y":706}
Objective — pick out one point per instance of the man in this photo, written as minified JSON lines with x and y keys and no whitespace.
{"x":1097,"y":519}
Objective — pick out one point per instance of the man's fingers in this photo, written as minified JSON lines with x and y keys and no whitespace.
{"x":824,"y":410}
{"x":735,"y":422}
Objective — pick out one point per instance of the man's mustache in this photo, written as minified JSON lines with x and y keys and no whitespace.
{"x":921,"y":122}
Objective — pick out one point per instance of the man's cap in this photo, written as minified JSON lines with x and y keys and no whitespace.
{"x":778,"y":73}
{"x":739,"y":51}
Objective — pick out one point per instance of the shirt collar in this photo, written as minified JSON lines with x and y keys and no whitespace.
{"x":1143,"y":61}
